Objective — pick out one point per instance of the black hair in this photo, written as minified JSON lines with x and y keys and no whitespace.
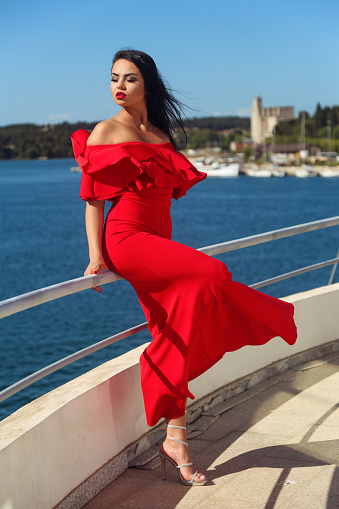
{"x":163,"y":109}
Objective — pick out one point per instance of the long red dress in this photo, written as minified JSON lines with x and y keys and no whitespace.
{"x":195,"y":312}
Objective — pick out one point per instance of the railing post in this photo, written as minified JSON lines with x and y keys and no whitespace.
{"x":333,"y":270}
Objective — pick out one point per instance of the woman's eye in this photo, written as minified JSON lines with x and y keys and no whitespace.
{"x":129,"y":80}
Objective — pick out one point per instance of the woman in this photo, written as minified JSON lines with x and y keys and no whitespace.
{"x":194,"y":310}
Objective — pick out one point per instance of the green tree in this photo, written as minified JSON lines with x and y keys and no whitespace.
{"x":335,"y":132}
{"x":198,"y":138}
{"x":303,"y":114}
{"x":319,"y":117}
{"x":32,"y":152}
{"x":247,"y":152}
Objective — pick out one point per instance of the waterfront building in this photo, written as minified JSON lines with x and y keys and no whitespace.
{"x":237,"y":145}
{"x":327,"y":156}
{"x":263,"y":120}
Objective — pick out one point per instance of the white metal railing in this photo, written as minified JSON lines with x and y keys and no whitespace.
{"x":37,"y":297}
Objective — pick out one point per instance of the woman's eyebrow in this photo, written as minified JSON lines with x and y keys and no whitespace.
{"x":128,"y":74}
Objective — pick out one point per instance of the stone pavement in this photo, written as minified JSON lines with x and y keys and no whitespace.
{"x":278,"y":447}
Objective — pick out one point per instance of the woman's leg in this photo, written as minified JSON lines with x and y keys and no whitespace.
{"x":179,"y":452}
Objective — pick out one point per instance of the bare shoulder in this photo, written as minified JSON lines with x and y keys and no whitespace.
{"x":103,"y":133}
{"x":160,"y":134}
{"x":114,"y":131}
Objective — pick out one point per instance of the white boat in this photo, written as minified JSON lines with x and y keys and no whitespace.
{"x":278,"y":172}
{"x":262,"y":171}
{"x":76,"y":169}
{"x":329,"y":172}
{"x":305,"y":171}
{"x":222,"y":170}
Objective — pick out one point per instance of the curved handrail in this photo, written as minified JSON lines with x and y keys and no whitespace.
{"x":31,"y":299}
{"x":48,"y":370}
{"x":253,"y":240}
{"x":297,"y":272}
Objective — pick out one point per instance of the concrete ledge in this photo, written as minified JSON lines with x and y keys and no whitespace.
{"x":67,"y":445}
{"x":61,"y":439}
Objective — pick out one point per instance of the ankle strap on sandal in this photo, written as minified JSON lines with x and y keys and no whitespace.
{"x":175,"y":427}
{"x":176,"y":439}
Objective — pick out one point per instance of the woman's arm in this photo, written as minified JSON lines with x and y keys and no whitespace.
{"x":94,"y":222}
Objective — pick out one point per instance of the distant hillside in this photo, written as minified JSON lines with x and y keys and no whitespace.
{"x":30,"y":141}
{"x":218,"y":123}
{"x":321,"y":129}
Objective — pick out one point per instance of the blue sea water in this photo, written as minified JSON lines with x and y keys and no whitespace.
{"x":43,"y":242}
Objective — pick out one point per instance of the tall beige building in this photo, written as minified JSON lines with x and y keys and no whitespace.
{"x":263,"y":120}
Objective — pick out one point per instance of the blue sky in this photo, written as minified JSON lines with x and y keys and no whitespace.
{"x":56,"y":56}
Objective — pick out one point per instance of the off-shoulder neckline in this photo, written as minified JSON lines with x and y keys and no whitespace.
{"x":129,"y":143}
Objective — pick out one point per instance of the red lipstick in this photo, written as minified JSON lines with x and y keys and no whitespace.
{"x":120,"y":95}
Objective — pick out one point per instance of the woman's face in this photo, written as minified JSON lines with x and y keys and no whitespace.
{"x":127,"y":84}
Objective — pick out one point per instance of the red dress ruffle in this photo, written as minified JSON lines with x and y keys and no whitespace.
{"x":110,"y":170}
{"x":195,"y":311}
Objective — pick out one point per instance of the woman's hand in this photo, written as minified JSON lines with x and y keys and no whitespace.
{"x":95,"y":267}
{"x":94,"y":222}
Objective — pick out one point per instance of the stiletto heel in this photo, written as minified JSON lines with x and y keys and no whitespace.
{"x":163,"y":463}
{"x":164,"y":457}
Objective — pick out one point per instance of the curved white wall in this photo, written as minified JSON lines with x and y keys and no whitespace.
{"x":51,"y":446}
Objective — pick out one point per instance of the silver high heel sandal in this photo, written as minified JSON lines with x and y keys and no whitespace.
{"x":164,"y":458}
